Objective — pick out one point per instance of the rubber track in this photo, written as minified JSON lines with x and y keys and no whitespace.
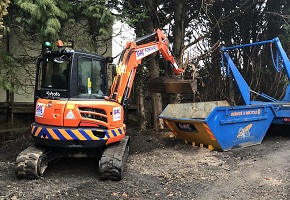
{"x":27,"y":163}
{"x":112,"y":162}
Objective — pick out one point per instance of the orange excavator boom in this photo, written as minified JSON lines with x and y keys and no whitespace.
{"x":132,"y":56}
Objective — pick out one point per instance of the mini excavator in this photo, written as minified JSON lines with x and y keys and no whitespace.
{"x":73,"y":115}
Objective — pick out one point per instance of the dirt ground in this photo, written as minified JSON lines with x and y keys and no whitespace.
{"x":159,"y":168}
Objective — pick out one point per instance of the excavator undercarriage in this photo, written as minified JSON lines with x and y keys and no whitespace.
{"x":32,"y":162}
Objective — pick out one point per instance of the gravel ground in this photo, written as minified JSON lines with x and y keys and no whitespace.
{"x":159,"y":168}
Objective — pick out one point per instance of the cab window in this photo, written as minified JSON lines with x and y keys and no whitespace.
{"x":91,"y":77}
{"x":55,"y":74}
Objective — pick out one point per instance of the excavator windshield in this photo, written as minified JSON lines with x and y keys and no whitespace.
{"x":55,"y":72}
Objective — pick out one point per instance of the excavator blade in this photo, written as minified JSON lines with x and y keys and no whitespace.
{"x":173,"y":86}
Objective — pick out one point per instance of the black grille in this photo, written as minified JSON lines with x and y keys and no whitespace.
{"x":94,"y":113}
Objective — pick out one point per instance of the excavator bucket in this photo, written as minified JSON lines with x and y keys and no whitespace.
{"x":218,"y":126}
{"x":173,"y":85}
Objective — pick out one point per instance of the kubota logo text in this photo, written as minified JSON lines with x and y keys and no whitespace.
{"x":52,"y":94}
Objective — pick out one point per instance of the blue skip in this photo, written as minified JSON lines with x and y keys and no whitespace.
{"x":217,"y":125}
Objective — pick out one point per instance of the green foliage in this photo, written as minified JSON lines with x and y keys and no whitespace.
{"x":96,"y":19}
{"x":43,"y":17}
{"x":49,"y":20}
{"x":9,"y":70}
{"x":3,"y":11}
{"x":16,"y":73}
{"x":98,"y":15}
{"x":134,"y":13}
{"x":3,"y":8}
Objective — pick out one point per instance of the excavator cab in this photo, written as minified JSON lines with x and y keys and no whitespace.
{"x":71,"y":75}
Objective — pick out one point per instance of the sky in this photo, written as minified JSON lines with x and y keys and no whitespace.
{"x":121,"y":34}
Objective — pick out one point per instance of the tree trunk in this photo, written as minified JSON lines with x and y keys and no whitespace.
{"x":156,"y":98}
{"x":153,"y":65}
{"x":141,"y":108}
{"x":178,"y":38}
{"x":179,"y":30}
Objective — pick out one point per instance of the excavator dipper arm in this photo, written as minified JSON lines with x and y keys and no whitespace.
{"x":132,"y":56}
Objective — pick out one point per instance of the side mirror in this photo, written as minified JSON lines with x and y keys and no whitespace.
{"x":114,"y":70}
{"x":110,"y":59}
